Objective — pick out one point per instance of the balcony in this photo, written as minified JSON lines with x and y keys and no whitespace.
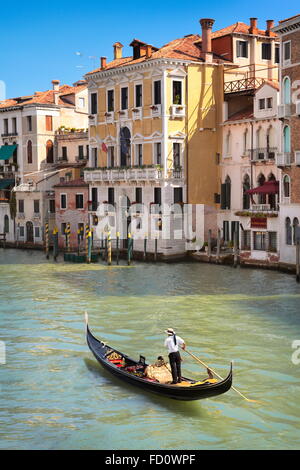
{"x":137,"y":114}
{"x":263,"y":154}
{"x":109,"y":117}
{"x":283,"y":159}
{"x":284,"y":111}
{"x":9,"y":134}
{"x":243,"y":85}
{"x":155,"y":110}
{"x":177,"y":111}
{"x":81,"y":159}
{"x":123,"y":114}
{"x":131,"y":174}
{"x":92,"y":119}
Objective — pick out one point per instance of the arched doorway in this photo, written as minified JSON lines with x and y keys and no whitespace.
{"x":126,"y":220}
{"x":246,"y":197}
{"x":272,"y":197}
{"x":125,"y":144}
{"x":49,"y":151}
{"x":29,"y":232}
{"x":6,"y":224}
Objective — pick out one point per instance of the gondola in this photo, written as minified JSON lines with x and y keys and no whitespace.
{"x":123,"y":368}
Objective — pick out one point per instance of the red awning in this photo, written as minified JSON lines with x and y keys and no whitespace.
{"x":269,"y":187}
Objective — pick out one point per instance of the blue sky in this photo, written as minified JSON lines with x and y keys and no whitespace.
{"x":40,"y":41}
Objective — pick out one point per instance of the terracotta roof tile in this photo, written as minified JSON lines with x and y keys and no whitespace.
{"x":72,"y":183}
{"x":246,"y":113}
{"x":238,"y":27}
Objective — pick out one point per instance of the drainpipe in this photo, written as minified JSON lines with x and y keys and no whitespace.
{"x":251,"y":156}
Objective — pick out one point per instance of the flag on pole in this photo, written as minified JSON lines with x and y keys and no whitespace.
{"x":104,"y":148}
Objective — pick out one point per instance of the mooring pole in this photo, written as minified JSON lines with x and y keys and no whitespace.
{"x":55,"y":243}
{"x":235,"y":249}
{"x":47,"y":240}
{"x":87,"y":229}
{"x":298,"y":260}
{"x":68,"y":236}
{"x":109,"y":248}
{"x":155,"y":249}
{"x":145,"y":248}
{"x":118,"y":240}
{"x":209,"y":245}
{"x":129,"y":248}
{"x":89,"y":246}
{"x":78,"y":241}
{"x":218,"y":246}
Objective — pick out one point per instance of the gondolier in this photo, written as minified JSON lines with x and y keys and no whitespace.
{"x":172,"y":343}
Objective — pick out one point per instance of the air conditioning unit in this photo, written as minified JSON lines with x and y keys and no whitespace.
{"x":298,"y":107}
{"x":297,"y":157}
{"x":284,"y":110}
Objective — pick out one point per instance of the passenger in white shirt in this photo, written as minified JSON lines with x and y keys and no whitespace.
{"x":172,"y":343}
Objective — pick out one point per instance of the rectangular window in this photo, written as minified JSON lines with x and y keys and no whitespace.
{"x":22,"y":231}
{"x":286,"y":51}
{"x":138,"y":96}
{"x":277,"y":54}
{"x":139,"y":195}
{"x":111,"y":156}
{"x":94,"y":103}
{"x":226,"y":230}
{"x":5,"y":124}
{"x":14,"y":125}
{"x":64,"y":153}
{"x":272,"y":242}
{"x":21,"y":206}
{"x":177,"y":92}
{"x":178,"y":195}
{"x":242,"y":48}
{"x":266,"y":52}
{"x":176,"y":155}
{"x":157,"y":149}
{"x":225,"y":196}
{"x":87,"y":151}
{"x":81,"y":102}
{"x":80,"y":152}
{"x":94,"y":199}
{"x":259,"y":241}
{"x":52,"y":206}
{"x":110,"y":101}
{"x":139,"y":154}
{"x":262,"y":103}
{"x":79,"y":201}
{"x":49,"y":124}
{"x":111,"y":196}
{"x":246,"y":240}
{"x":36,"y":232}
{"x":63,"y":201}
{"x":95,"y":158}
{"x":157,"y":196}
{"x":157,"y":92}
{"x":36,"y":206}
{"x":124,"y":98}
{"x":269,"y":103}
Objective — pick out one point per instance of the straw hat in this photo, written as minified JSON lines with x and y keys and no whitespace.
{"x":170,"y":331}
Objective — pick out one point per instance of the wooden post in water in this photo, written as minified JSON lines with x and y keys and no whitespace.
{"x":218,"y":246}
{"x":209,"y":245}
{"x":298,"y":260}
{"x":47,"y":240}
{"x":89,"y":246}
{"x":78,"y":241}
{"x":68,"y":236}
{"x":129,"y":248}
{"x":155,"y":249}
{"x":145,"y":248}
{"x":55,"y":243}
{"x":109,"y":248}
{"x":118,"y":249}
{"x":87,"y":229}
{"x":235,"y":249}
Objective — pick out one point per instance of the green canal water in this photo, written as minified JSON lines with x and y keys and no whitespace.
{"x":54,"y":395}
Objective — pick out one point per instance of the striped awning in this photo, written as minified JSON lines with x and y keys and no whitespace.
{"x":7,"y":151}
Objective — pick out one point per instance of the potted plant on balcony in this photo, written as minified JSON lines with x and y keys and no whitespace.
{"x":154,"y":107}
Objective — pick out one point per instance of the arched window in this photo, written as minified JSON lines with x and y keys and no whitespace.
{"x":271,"y":142}
{"x":245,"y":142}
{"x":286,"y":89}
{"x":261,"y":197}
{"x":246,"y":187}
{"x":286,"y":186}
{"x":6,"y":224}
{"x":228,"y":144}
{"x":295,"y":229}
{"x":125,"y":143}
{"x":288,"y":231}
{"x":259,"y":144}
{"x":29,"y":151}
{"x":49,"y":151}
{"x":286,"y":139}
{"x":226,"y":193}
{"x":272,"y":196}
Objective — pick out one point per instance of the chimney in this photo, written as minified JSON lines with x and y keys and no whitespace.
{"x":148,"y":51}
{"x":55,"y":85}
{"x":103,"y":63}
{"x":118,"y":50}
{"x":206,"y":25}
{"x":253,"y":26}
{"x":270,"y":25}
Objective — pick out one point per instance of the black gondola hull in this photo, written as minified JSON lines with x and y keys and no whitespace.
{"x":189,"y":393}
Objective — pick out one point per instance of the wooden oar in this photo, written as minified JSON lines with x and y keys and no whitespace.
{"x":207,"y":367}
